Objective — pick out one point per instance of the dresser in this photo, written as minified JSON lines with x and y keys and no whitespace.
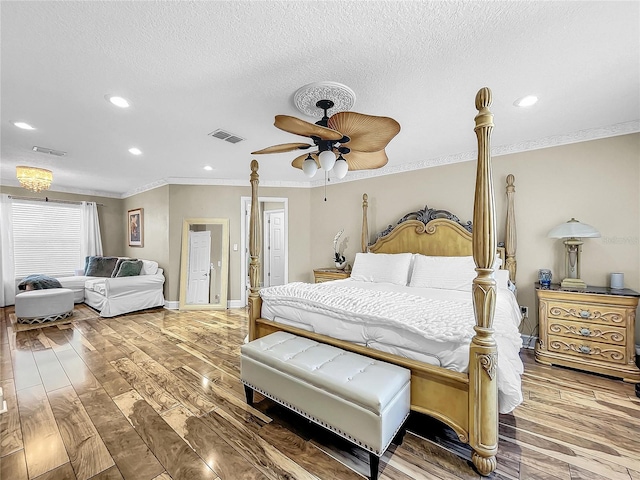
{"x":326,"y":274}
{"x":590,"y":329}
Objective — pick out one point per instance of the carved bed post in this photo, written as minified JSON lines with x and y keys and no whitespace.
{"x":364,"y":239}
{"x":511,"y":241}
{"x":483,"y":355}
{"x":255,"y":302}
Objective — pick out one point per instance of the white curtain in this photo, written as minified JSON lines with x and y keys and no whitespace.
{"x":7,"y":268}
{"x":90,"y":239}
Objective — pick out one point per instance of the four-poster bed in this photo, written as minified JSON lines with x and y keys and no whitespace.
{"x":468,"y":402}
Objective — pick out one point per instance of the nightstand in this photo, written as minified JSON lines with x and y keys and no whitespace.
{"x":589,"y":329}
{"x":326,"y":274}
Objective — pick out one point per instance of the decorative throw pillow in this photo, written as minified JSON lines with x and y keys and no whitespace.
{"x":118,"y":263}
{"x":101,"y":266}
{"x":129,"y":268}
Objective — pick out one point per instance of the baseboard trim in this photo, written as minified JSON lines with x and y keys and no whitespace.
{"x":175,"y":305}
{"x":171,"y":305}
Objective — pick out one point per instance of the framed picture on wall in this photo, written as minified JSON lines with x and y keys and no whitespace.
{"x":135,"y":227}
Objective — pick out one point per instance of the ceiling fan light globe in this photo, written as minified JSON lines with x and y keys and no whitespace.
{"x":327,"y":159}
{"x":341,"y":168}
{"x":309,"y":167}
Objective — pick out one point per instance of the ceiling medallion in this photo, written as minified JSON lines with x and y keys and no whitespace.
{"x":306,"y":98}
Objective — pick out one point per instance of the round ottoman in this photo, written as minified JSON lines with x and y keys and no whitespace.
{"x":41,"y":306}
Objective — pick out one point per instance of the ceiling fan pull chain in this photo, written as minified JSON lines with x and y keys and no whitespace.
{"x":325,"y":185}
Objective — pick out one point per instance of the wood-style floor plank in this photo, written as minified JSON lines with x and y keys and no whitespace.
{"x":87,"y":451}
{"x":43,"y":445}
{"x":180,"y":461}
{"x":13,"y":466}
{"x":157,"y":395}
{"x":51,"y":371}
{"x":65,"y":472}
{"x":10,"y":430}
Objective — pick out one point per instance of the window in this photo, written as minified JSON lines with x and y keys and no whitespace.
{"x":46,"y":238}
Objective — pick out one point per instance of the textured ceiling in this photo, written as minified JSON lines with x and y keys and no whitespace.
{"x":189,"y":68}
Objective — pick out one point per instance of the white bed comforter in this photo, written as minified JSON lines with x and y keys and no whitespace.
{"x":438,"y":324}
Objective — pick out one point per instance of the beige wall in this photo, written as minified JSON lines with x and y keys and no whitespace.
{"x":155,"y":228}
{"x":110,"y":215}
{"x":225,"y":202}
{"x":596,"y":182}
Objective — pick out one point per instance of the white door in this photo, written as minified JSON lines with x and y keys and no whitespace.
{"x":276,"y":252}
{"x":199,"y":275}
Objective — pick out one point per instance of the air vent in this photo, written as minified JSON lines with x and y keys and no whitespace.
{"x":226,"y":136}
{"x":50,"y":151}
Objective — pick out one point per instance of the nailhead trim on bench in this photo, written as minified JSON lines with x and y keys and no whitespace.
{"x":326,"y":425}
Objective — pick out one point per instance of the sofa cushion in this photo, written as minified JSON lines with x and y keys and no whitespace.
{"x":100,"y":266}
{"x":149,"y":267}
{"x":129,"y":268}
{"x":118,"y":263}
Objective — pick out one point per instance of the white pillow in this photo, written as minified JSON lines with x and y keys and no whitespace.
{"x":149,"y":267}
{"x":502,"y":278}
{"x":382,"y":267}
{"x":451,"y":273}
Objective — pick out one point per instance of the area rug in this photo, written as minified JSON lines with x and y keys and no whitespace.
{"x":80,"y":312}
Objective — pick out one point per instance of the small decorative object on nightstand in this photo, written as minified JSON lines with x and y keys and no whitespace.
{"x":326,"y":274}
{"x":589,"y":329}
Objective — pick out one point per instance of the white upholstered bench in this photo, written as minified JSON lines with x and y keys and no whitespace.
{"x":42,"y":306}
{"x":361,"y":399}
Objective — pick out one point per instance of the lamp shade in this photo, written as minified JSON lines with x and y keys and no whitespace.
{"x":327,"y":159}
{"x":309,"y":166}
{"x":573,"y":229}
{"x":341,"y":167}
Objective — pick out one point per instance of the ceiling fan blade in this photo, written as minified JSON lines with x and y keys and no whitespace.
{"x":306,"y":129}
{"x":297,"y":162}
{"x":366,"y":160}
{"x":285,"y":147}
{"x":368,"y":133}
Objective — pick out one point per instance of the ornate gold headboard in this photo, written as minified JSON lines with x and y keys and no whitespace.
{"x":431,"y":232}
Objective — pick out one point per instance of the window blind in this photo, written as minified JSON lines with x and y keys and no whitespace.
{"x":46,"y":238}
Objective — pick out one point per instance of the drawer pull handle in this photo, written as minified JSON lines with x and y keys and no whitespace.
{"x":585,"y":332}
{"x":584,"y":349}
{"x":585,"y":313}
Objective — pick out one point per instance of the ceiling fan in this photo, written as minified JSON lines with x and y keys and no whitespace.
{"x":358,"y":140}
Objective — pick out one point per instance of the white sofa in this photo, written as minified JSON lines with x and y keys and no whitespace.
{"x":119,"y":295}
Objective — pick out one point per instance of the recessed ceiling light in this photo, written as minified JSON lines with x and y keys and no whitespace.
{"x":208,"y":168}
{"x":24,"y":126}
{"x":117,"y":101}
{"x":135,"y":151}
{"x":526,"y":101}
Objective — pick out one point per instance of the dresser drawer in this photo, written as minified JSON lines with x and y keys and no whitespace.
{"x":587,"y":331}
{"x":587,"y":349}
{"x":601,"y":314}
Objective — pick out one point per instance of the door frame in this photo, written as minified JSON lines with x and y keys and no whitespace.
{"x":245,"y":210}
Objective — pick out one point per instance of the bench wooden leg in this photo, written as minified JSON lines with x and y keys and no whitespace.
{"x":399,"y":438}
{"x":374,"y":462}
{"x":248,"y":392}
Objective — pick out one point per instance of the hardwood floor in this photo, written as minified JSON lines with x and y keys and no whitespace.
{"x":156,"y":395}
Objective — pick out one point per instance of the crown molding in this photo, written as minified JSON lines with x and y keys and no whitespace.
{"x":547,"y":142}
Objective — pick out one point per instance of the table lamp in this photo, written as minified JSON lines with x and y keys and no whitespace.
{"x":573,"y":231}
